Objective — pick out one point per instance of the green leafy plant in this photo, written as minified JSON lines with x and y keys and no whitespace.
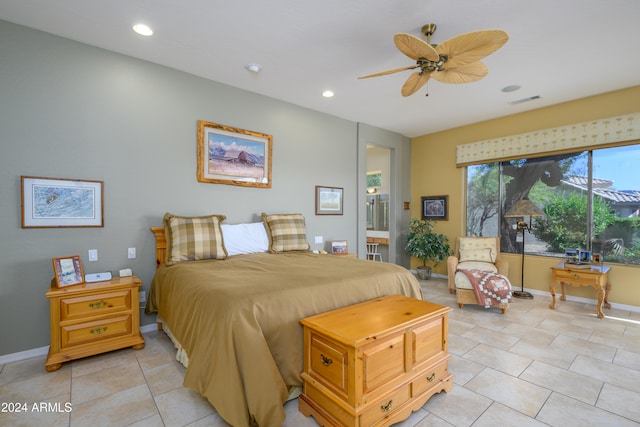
{"x":566,"y":216}
{"x":425,"y":244}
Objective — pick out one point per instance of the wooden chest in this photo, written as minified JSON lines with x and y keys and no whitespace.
{"x":373,"y":363}
{"x":93,"y":318}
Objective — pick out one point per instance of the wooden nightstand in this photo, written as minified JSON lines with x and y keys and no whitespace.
{"x":373,"y":363}
{"x":93,"y":318}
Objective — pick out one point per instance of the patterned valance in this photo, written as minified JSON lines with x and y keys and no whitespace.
{"x":568,"y":138}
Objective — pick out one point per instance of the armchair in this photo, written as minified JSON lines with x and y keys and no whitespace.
{"x":474,"y":253}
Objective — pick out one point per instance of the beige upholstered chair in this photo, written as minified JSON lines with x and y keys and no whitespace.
{"x":474,"y":253}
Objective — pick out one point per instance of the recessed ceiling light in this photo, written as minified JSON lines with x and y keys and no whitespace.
{"x":511,"y":88}
{"x":328,"y":94}
{"x":143,"y":30}
{"x":254,"y":68}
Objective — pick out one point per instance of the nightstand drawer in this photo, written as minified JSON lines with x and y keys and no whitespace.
{"x":95,"y":331}
{"x":91,"y":305}
{"x":328,"y":363}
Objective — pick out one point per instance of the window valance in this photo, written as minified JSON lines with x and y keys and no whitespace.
{"x":591,"y":134}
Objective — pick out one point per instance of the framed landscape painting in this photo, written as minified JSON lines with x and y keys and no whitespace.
{"x":329,"y":200}
{"x":233,"y":156}
{"x":56,"y":202}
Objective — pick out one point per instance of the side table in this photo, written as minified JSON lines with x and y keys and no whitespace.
{"x":596,"y":276}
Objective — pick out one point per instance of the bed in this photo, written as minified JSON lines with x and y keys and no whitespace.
{"x":237,"y":317}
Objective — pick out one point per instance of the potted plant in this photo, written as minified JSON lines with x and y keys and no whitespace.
{"x":424,"y":243}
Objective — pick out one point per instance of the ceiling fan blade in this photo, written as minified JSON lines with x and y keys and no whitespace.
{"x":466,"y":73}
{"x":414,"y":83}
{"x":384,"y":73}
{"x":415,"y":48}
{"x":471,"y":47}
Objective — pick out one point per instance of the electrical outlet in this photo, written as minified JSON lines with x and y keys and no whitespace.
{"x":143,"y":296}
{"x":93,"y":254}
{"x":131,"y":253}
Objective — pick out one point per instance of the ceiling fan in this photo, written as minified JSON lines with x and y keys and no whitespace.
{"x":455,"y":61}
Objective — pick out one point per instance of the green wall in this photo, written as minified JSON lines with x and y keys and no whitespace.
{"x":68,"y":110}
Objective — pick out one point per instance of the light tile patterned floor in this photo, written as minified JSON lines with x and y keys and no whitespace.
{"x":529,"y":367}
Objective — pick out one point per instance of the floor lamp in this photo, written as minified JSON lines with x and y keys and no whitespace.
{"x":520,"y":209}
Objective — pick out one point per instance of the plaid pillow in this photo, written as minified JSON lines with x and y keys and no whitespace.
{"x":287,"y":232}
{"x":193,"y":238}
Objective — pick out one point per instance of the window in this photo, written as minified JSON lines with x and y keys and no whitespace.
{"x":591,"y":200}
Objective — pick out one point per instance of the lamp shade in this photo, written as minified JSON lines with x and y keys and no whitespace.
{"x":524,"y":207}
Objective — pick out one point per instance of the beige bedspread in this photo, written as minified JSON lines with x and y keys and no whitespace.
{"x":238,"y":318}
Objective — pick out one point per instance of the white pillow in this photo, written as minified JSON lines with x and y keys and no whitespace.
{"x":245,"y":238}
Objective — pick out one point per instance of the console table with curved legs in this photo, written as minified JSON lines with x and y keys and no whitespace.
{"x":596,"y":276}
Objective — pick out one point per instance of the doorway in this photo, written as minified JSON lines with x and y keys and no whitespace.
{"x":379,"y":198}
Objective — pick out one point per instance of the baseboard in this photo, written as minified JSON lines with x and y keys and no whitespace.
{"x":42,"y":351}
{"x":21,"y":355}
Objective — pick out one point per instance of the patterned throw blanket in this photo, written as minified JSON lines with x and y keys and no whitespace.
{"x":492,"y":289}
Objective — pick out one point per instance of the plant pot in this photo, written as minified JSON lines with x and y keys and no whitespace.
{"x":424,"y":273}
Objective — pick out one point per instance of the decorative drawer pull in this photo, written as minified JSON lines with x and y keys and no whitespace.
{"x":325,"y":360}
{"x":574,"y":277}
{"x":98,"y":331}
{"x":98,"y":304}
{"x":387,"y":406}
{"x":431,"y":377}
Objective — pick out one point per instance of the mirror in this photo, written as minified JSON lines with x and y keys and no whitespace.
{"x":378,"y":212}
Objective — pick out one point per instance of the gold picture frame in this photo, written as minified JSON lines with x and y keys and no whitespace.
{"x":339,"y":247}
{"x":233,"y":156}
{"x":68,"y":271}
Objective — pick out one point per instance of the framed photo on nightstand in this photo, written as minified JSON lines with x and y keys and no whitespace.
{"x":339,"y":247}
{"x":68,"y":271}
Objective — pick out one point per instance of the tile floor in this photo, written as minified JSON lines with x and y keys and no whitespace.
{"x":530,"y":367}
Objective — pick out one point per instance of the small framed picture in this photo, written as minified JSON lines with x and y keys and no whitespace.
{"x":435,"y":208}
{"x":68,"y":271}
{"x":596,"y":258}
{"x":584,"y":256}
{"x":329,"y":200}
{"x":339,"y":247}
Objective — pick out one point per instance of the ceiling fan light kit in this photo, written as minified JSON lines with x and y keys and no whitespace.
{"x":455,"y":61}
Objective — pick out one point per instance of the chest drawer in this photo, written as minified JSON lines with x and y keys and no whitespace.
{"x":385,"y":407}
{"x":430,"y":377}
{"x":87,"y":306}
{"x":82,"y":333}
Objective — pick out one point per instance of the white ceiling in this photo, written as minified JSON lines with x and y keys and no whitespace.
{"x":559,"y":50}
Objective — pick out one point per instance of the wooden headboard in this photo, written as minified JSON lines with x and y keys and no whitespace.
{"x":161,"y":245}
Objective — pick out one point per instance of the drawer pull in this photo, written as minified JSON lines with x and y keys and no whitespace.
{"x":387,"y":407}
{"x":98,"y":304}
{"x":325,"y":360}
{"x":98,"y":331}
{"x":574,"y":277}
{"x":431,"y":377}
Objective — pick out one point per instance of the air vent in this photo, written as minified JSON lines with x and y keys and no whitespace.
{"x":523,"y":100}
